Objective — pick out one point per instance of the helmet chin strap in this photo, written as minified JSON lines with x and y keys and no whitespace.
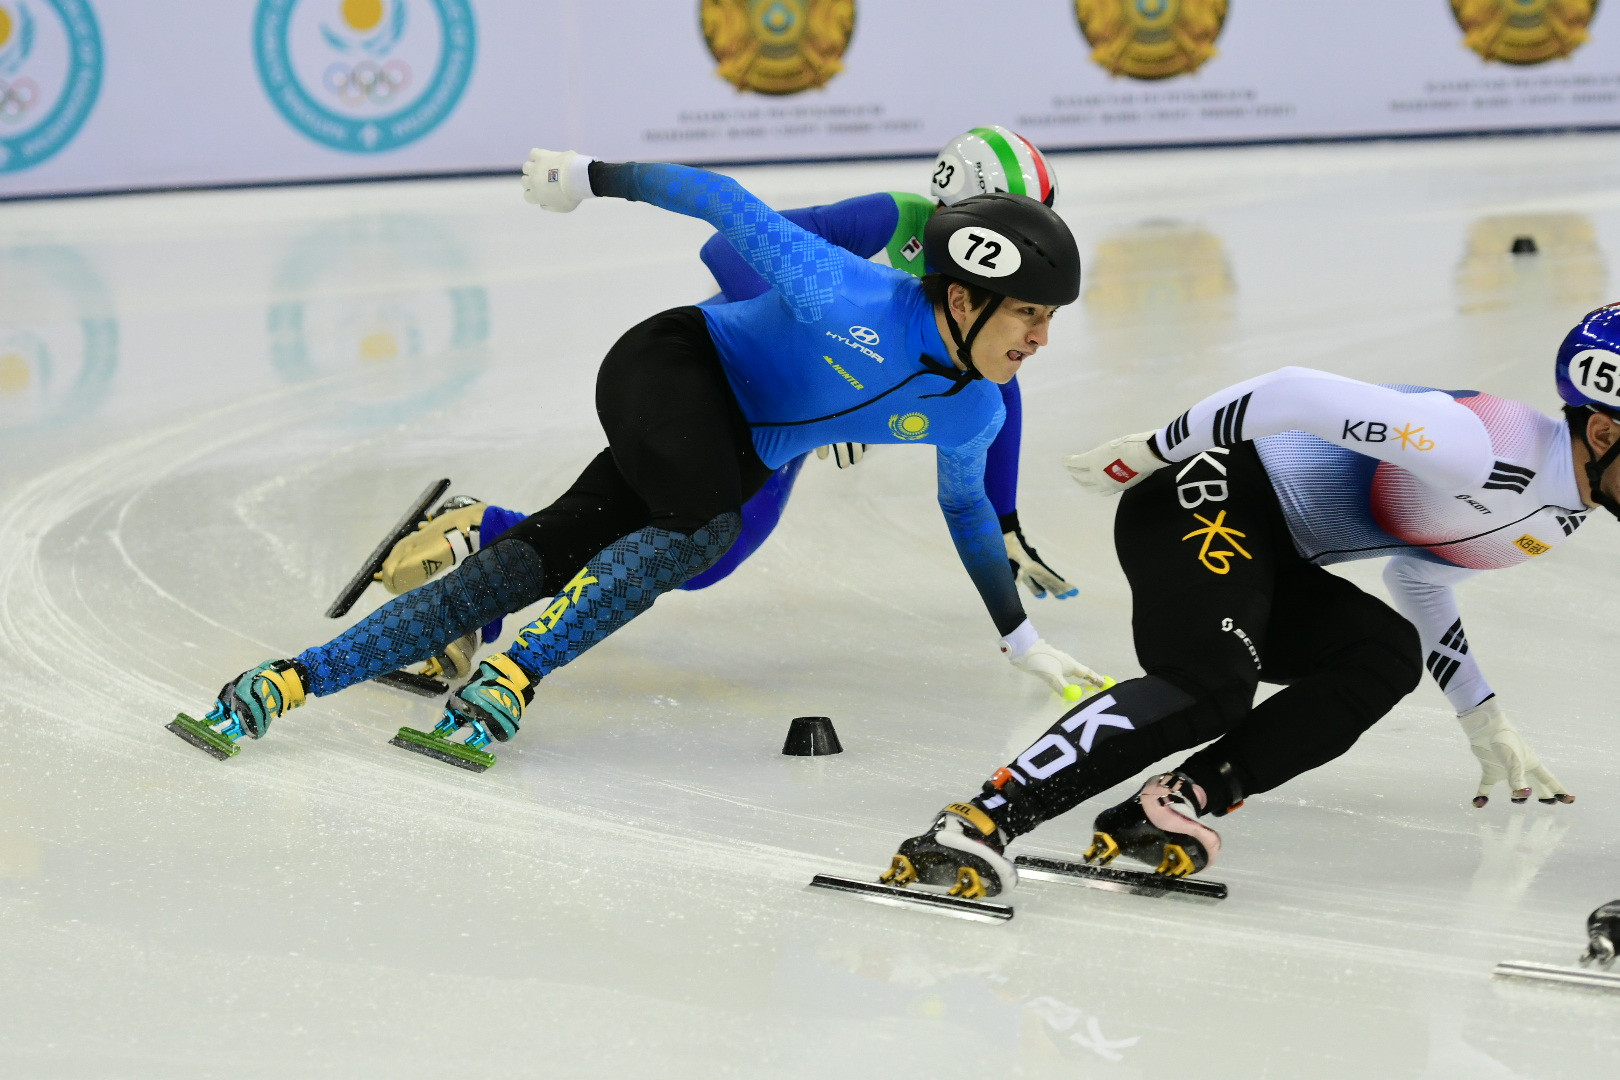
{"x":1596,"y":467}
{"x":964,"y":345}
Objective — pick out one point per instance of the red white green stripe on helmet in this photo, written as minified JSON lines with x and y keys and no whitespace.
{"x":987,"y":159}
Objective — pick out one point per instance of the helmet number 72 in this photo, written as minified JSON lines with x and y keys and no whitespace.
{"x":991,"y":250}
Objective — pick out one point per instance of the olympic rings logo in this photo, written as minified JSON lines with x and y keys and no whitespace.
{"x":17,"y":98}
{"x":368,"y":81}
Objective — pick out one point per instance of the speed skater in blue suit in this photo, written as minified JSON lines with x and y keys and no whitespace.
{"x":886,"y":227}
{"x":700,"y":407}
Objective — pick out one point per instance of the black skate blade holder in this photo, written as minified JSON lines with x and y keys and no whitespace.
{"x":404,"y":527}
{"x":1114,"y":879}
{"x":955,"y":906}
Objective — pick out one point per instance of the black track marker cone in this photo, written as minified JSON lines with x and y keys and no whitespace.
{"x":811,"y":736}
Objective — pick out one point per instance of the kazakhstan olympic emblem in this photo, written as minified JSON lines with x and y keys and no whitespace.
{"x":1524,"y":31}
{"x":778,"y":46}
{"x":50,"y":77}
{"x":364,"y":76}
{"x":909,"y":426}
{"x":1151,"y":39}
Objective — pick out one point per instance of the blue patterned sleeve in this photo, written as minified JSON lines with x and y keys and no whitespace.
{"x":862,"y":226}
{"x":976,"y":531}
{"x":803,"y":267}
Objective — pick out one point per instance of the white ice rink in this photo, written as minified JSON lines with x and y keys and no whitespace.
{"x":211,"y":405}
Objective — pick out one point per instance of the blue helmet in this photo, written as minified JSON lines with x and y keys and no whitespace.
{"x":1588,"y":368}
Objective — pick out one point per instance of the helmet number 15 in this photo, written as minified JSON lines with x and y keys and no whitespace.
{"x":1603,"y":380}
{"x":992,"y":249}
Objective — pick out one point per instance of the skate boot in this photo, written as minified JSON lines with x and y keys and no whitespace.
{"x":962,"y":849}
{"x":1158,"y":826}
{"x":1603,"y":935}
{"x":440,"y":542}
{"x":489,"y":709}
{"x":246,"y":705}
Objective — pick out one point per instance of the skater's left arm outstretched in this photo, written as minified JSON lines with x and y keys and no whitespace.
{"x":1423,"y":592}
{"x":806,"y":270}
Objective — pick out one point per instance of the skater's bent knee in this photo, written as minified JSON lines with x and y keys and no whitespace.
{"x":507,"y":574}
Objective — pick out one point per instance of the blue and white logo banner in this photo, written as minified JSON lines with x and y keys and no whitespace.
{"x":50,"y":77}
{"x":365,"y":76}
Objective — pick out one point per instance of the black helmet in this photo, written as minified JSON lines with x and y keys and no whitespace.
{"x":1012,"y":245}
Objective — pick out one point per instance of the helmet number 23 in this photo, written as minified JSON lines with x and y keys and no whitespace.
{"x":1603,"y":380}
{"x":991,"y":249}
{"x":943,"y":175}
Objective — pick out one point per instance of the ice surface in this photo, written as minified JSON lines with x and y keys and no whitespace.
{"x":211,"y":405}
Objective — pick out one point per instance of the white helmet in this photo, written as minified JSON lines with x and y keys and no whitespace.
{"x":988,"y":159}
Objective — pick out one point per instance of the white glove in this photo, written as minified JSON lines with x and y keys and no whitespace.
{"x":844,"y":453}
{"x":557,"y":179}
{"x":1030,"y":571}
{"x":1029,"y":652}
{"x":1504,"y":755}
{"x":1115,"y":465}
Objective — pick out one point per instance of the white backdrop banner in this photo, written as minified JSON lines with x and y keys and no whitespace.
{"x":100,"y":95}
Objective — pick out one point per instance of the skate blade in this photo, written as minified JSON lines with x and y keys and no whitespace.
{"x":451,"y":753}
{"x":1135,"y":882}
{"x":413,"y":683}
{"x":363,"y":578}
{"x":955,"y":907}
{"x":203,"y":737}
{"x":1570,"y":976}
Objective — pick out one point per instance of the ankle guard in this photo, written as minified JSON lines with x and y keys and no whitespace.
{"x":495,"y":581}
{"x":619,"y":583}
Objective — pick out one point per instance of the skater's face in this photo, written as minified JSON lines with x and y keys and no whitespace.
{"x":1016,"y":330}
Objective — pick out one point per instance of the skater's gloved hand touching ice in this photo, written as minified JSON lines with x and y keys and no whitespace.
{"x":557,"y":179}
{"x":1028,"y":567}
{"x":1067,"y":676}
{"x":844,"y":454}
{"x":1504,"y":755}
{"x":1117,"y":464}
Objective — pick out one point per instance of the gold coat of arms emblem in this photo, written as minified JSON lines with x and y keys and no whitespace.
{"x":1151,"y":39}
{"x":1524,"y":31}
{"x":778,"y":46}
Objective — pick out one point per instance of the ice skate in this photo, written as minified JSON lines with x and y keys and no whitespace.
{"x":962,"y":849}
{"x":246,"y":705}
{"x":488,"y":709}
{"x":1157,"y":825}
{"x":449,"y":535}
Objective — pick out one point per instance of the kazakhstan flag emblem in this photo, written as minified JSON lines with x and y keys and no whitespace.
{"x":908,"y":427}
